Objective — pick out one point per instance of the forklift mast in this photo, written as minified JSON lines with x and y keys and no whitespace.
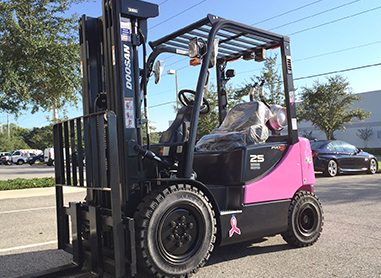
{"x":111,"y":72}
{"x":96,"y":151}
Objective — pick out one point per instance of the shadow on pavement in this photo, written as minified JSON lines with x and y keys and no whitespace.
{"x":350,"y":188}
{"x":240,"y":250}
{"x":16,"y":265}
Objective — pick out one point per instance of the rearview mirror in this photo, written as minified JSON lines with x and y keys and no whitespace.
{"x":158,"y":69}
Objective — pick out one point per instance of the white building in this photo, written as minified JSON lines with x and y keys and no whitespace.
{"x":370,"y":102}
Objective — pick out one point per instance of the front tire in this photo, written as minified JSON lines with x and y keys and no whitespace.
{"x":373,"y":166}
{"x":332,"y":169}
{"x":305,"y":220}
{"x":175,"y":230}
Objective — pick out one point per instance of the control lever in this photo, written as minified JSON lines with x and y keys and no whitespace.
{"x":252,"y":91}
{"x":261,"y":94}
{"x":151,"y":155}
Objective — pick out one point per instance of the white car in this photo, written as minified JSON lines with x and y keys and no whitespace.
{"x":22,"y":156}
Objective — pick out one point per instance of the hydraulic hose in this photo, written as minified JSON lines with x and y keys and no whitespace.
{"x":144,"y":85}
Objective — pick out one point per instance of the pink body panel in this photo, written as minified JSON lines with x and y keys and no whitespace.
{"x":293,"y":172}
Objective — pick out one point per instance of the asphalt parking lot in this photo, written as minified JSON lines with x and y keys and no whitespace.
{"x":350,"y":245}
{"x":25,"y":171}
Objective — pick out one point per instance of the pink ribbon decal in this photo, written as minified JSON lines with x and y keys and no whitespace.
{"x":234,"y":229}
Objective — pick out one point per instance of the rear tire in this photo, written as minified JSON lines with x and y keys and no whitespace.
{"x":373,"y":166}
{"x":305,"y":220}
{"x":175,"y":231}
{"x":332,"y":169}
{"x":20,"y":162}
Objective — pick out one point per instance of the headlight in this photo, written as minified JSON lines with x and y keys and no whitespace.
{"x":279,"y":119}
{"x":197,"y":48}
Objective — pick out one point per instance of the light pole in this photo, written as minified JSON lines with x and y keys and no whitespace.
{"x":9,"y":127}
{"x":174,"y":72}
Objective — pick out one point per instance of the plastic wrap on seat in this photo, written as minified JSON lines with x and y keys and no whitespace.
{"x":244,"y":124}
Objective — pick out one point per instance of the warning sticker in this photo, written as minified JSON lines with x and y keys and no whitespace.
{"x":294,"y":124}
{"x":125,"y":29}
{"x":292,"y":96}
{"x":129,"y":112}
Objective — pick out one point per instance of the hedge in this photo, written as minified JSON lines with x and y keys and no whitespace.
{"x":26,"y":183}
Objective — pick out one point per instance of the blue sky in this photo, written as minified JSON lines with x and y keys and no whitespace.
{"x":349,"y":33}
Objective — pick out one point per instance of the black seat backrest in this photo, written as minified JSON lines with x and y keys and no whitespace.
{"x":175,"y":133}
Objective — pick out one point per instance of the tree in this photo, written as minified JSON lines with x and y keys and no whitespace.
{"x":272,"y":89}
{"x":365,"y":134}
{"x":15,"y":141}
{"x":208,"y":122}
{"x":154,"y":136}
{"x":308,"y":134}
{"x":329,"y":105}
{"x":273,"y":82}
{"x":39,"y":138}
{"x":39,"y":55}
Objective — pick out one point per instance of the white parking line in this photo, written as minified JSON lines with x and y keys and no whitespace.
{"x":27,"y":246}
{"x":25,"y":210}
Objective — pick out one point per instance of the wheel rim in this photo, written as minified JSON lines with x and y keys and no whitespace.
{"x":373,"y":166}
{"x":307,"y":220}
{"x":180,"y":233}
{"x":332,"y":168}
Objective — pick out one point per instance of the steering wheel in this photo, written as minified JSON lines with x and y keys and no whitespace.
{"x":187,"y":101}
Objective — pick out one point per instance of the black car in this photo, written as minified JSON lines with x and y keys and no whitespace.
{"x":36,"y":158}
{"x":333,"y":157}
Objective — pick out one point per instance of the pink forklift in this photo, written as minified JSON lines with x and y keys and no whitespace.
{"x":161,"y":209}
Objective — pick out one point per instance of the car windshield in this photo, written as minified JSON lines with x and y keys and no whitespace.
{"x":317,"y":144}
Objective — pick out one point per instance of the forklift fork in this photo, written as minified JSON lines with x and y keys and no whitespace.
{"x":100,"y":237}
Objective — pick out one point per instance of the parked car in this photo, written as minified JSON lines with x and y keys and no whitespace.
{"x":49,"y":156}
{"x":22,"y":156}
{"x":36,"y":158}
{"x":4,"y":156}
{"x":333,"y":157}
{"x":7,"y":159}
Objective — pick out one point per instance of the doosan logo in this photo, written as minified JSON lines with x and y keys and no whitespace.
{"x":127,"y":68}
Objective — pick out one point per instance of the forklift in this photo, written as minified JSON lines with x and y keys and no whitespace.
{"x":161,"y":209}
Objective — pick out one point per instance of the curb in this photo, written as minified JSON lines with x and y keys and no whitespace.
{"x":36,"y":192}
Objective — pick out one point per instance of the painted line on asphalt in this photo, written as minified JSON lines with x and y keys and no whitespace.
{"x":25,"y":210}
{"x":27,"y":246}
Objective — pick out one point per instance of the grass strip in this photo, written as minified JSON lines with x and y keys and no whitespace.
{"x":26,"y":183}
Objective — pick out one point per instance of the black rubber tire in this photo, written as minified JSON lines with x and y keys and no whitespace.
{"x":304,"y":204}
{"x":20,"y":162}
{"x":155,"y":210}
{"x":372,"y":171}
{"x":327,"y":171}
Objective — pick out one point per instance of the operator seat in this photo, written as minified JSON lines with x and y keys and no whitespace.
{"x":177,"y":131}
{"x":244,"y":124}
